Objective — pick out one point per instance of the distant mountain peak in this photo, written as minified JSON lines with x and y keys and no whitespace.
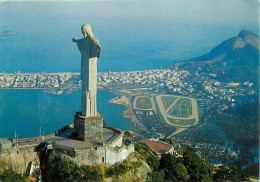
{"x":231,"y":60}
{"x":249,"y":38}
{"x":244,"y":38}
{"x":245,"y":33}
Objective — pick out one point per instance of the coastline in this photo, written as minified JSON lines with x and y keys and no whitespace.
{"x":128,"y":113}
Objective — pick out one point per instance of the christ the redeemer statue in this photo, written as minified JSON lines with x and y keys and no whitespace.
{"x":90,"y":50}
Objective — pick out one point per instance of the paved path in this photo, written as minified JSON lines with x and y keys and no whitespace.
{"x":166,"y":115}
{"x":171,"y":106}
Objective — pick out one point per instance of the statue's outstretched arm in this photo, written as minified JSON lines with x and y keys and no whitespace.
{"x":74,"y":40}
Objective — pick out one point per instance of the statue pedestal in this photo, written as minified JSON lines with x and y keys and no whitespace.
{"x":88,"y":128}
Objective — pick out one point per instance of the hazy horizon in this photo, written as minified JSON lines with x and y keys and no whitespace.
{"x":135,"y":35}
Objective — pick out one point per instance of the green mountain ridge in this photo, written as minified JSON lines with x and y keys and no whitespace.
{"x":234,"y":60}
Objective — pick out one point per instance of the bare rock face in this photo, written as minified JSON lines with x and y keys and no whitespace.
{"x":19,"y":160}
{"x":249,"y":38}
{"x":238,"y":43}
{"x":140,"y":174}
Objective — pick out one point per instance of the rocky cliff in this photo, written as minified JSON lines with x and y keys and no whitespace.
{"x":19,"y":159}
{"x":59,"y":167}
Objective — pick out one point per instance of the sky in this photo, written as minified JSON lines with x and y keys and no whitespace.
{"x":210,"y":10}
{"x":150,"y":33}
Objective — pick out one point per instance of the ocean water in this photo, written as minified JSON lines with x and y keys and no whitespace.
{"x":132,"y":37}
{"x":27,"y":110}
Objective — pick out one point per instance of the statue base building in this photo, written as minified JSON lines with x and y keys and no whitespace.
{"x":91,"y":142}
{"x":88,"y":128}
{"x":113,"y":148}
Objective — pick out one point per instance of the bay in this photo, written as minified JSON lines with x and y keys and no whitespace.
{"x":27,"y":110}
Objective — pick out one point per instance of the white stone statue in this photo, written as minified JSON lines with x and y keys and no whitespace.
{"x":90,"y":50}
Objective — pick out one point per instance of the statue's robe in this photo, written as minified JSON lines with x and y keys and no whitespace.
{"x":90,"y":49}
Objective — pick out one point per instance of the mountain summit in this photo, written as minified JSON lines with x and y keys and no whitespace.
{"x":236,"y":59}
{"x":249,"y":38}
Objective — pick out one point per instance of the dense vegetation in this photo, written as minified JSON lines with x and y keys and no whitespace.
{"x":189,"y":167}
{"x":122,"y":168}
{"x":11,"y":176}
{"x":240,"y":126}
{"x":67,"y":171}
{"x":231,"y":174}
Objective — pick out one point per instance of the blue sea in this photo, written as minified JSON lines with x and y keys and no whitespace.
{"x":27,"y":110}
{"x":134,"y":35}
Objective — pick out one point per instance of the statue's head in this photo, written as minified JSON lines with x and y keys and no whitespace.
{"x":87,"y":31}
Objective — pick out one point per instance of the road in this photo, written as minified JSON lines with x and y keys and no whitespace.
{"x":165,"y":114}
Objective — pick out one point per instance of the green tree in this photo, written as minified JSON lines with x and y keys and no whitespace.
{"x":167,"y":160}
{"x":153,"y":162}
{"x":138,"y":147}
{"x":167,"y":164}
{"x":181,"y":172}
{"x":65,"y":170}
{"x":226,"y":173}
{"x":174,"y":171}
{"x":11,"y":176}
{"x":155,"y":176}
{"x":88,"y":173}
{"x":143,"y":150}
{"x":198,"y":169}
{"x":127,"y":133}
{"x":220,"y":173}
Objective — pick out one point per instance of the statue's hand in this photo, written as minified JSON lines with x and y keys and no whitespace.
{"x":99,"y":52}
{"x":98,"y":55}
{"x":74,"y":40}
